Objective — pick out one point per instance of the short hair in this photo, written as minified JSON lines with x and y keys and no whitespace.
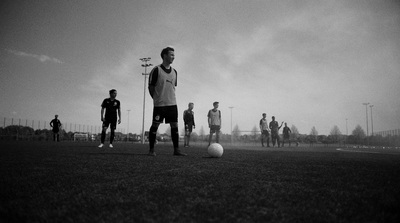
{"x":273,"y":116}
{"x":215,"y":103}
{"x":264,"y":114}
{"x":190,"y":103}
{"x":165,"y":51}
{"x":112,"y":91}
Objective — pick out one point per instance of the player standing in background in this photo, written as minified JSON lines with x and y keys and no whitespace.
{"x":264,"y":129}
{"x":214,"y":122}
{"x":111,"y":107}
{"x":162,"y":83}
{"x":56,"y":124}
{"x":188,"y":118}
{"x":274,"y":126}
{"x":286,"y":134}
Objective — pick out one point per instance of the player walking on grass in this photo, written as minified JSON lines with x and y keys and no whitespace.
{"x":274,"y":126}
{"x":214,"y":122}
{"x":162,"y":83}
{"x":264,"y":129}
{"x":111,"y":106}
{"x":286,"y":134}
{"x":56,"y":124}
{"x":188,"y":118}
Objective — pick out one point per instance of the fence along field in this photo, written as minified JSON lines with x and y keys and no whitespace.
{"x":25,"y":129}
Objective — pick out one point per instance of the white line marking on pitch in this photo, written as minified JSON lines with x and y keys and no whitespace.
{"x":358,"y":151}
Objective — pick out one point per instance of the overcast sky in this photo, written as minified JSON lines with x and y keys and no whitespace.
{"x":308,"y":63}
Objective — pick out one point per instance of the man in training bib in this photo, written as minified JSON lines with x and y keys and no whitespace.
{"x":214,"y":122}
{"x":162,"y":83}
{"x":264,"y":129}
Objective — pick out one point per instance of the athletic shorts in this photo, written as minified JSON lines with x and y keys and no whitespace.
{"x":111,"y":123}
{"x":265,"y":132}
{"x":274,"y":134}
{"x":188,"y":128}
{"x":215,"y":128}
{"x":286,"y":136}
{"x":56,"y":130}
{"x":169,"y":113}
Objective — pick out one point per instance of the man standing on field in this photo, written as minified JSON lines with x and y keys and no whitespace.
{"x":214,"y":122}
{"x":162,"y":83}
{"x":264,"y":129}
{"x":188,"y":118}
{"x":56,"y":124}
{"x":286,"y":134}
{"x":274,"y":126}
{"x":111,"y":106}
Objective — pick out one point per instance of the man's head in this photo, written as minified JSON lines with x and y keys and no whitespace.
{"x":191,"y":106}
{"x":168,"y":55}
{"x":285,"y":124}
{"x":216,"y":104}
{"x":56,"y":116}
{"x":113,"y":93}
{"x":273,"y":118}
{"x":264,"y":115}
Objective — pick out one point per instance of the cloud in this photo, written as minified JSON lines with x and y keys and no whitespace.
{"x":41,"y":58}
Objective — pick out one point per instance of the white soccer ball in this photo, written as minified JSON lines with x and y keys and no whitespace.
{"x":215,"y":150}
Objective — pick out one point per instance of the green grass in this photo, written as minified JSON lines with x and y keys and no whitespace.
{"x":77,"y":182}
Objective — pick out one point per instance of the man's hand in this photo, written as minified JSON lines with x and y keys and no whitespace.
{"x":119,"y":121}
{"x":102,"y":119}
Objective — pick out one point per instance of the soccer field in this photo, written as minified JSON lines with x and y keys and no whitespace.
{"x":78,"y":182}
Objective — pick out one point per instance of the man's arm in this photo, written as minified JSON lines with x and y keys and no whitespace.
{"x":102,"y":113}
{"x":184,"y":117}
{"x":280,"y":126}
{"x":209,"y":119}
{"x":153,"y":76}
{"x":194,"y":125}
{"x":51,"y":123}
{"x":119,"y":115}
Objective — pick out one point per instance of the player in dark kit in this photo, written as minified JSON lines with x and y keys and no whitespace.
{"x":162,"y":83}
{"x":274,"y":126}
{"x":56,"y":124}
{"x":111,"y":106}
{"x":286,"y":134}
{"x":188,"y":118}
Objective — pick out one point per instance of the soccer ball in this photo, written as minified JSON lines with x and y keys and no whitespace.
{"x":215,"y":150}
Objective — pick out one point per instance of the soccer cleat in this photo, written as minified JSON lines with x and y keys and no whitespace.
{"x":177,"y":152}
{"x":101,"y":145}
{"x":111,"y":146}
{"x":151,"y":153}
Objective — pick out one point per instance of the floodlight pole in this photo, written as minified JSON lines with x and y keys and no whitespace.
{"x":231,"y":126}
{"x":366,"y":113}
{"x":372,"y":123}
{"x":128,"y":126}
{"x":145,"y":65}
